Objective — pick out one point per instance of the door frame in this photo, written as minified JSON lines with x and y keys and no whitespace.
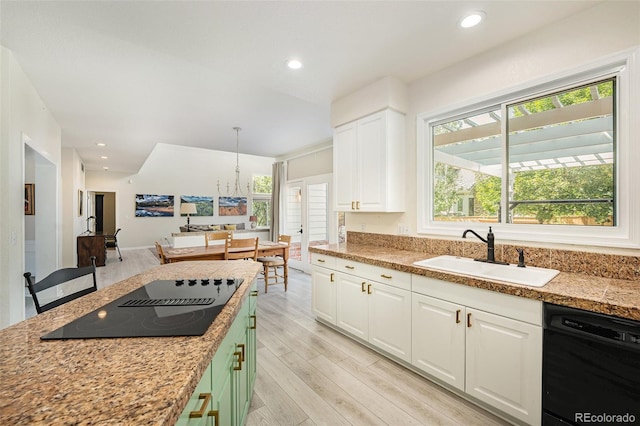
{"x":332,"y":216}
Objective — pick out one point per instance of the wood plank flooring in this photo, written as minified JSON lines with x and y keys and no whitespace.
{"x":309,"y":374}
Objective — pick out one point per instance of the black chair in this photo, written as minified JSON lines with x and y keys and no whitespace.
{"x":59,"y":277}
{"x":112,"y":241}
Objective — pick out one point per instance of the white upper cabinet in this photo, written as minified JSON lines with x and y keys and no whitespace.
{"x":369,"y":162}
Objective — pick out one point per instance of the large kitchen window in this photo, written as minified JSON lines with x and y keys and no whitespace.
{"x":551,"y":163}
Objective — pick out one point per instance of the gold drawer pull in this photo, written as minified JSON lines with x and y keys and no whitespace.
{"x":241,"y":346}
{"x":368,"y":288}
{"x":357,"y":205}
{"x":349,"y":267}
{"x":352,"y":205}
{"x":331,"y":279}
{"x":458,"y":316}
{"x":363,"y":284}
{"x":239,"y":366}
{"x":214,"y":413}
{"x":321,"y":260}
{"x":468,"y":320}
{"x":386,"y":276}
{"x":254,"y":293}
{"x":255,"y":322}
{"x":198,"y":414}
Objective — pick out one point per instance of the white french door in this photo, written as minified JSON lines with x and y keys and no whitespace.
{"x":308,"y":219}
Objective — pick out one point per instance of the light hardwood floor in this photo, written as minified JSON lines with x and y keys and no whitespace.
{"x":309,"y":374}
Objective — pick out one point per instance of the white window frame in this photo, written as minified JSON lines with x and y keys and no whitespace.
{"x":260,"y":197}
{"x":626,"y":233}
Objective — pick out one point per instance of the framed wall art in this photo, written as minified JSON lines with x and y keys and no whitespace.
{"x":151,"y":205}
{"x":232,"y":206}
{"x":29,"y":199}
{"x":204,"y":204}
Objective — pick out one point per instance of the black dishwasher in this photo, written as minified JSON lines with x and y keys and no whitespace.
{"x":591,"y":368}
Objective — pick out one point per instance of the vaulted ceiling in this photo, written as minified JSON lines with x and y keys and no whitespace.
{"x":131,"y":74}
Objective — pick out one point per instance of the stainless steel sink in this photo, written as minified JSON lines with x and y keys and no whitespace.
{"x":531,"y":276}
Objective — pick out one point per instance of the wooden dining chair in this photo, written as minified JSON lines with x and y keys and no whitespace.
{"x":216,"y":236}
{"x":241,"y":248}
{"x":58,"y":278}
{"x":275,"y":262}
{"x":160,"y":252}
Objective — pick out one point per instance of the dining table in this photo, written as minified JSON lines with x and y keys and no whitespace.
{"x":217,"y":252}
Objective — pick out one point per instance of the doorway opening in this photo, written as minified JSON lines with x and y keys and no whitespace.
{"x":102,"y":205}
{"x":309,"y":219}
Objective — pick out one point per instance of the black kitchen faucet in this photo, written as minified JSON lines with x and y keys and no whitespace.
{"x":490,"y":242}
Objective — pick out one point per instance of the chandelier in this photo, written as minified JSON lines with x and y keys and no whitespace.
{"x":236,"y":186}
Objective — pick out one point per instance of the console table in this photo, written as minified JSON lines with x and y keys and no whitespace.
{"x":91,"y":245}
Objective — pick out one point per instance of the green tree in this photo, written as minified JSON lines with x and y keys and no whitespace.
{"x":486,"y":192}
{"x":446,"y":188}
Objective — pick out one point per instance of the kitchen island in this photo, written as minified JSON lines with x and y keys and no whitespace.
{"x":139,"y":380}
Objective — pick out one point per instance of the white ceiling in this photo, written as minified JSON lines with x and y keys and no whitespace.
{"x":132,"y":74}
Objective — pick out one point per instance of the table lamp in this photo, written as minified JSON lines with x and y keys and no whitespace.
{"x":188,"y":209}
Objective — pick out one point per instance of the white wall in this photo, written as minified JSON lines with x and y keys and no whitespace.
{"x":174,"y":170}
{"x":22,"y":115}
{"x":600,"y":31}
{"x":73,"y":180}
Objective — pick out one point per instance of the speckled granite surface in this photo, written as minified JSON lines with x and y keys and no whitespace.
{"x":598,"y":294}
{"x":141,"y":381}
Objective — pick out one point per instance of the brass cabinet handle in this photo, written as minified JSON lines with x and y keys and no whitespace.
{"x":469,"y":320}
{"x":386,"y":276}
{"x":368,"y":288}
{"x":241,"y":346}
{"x":349,"y":267}
{"x":331,"y":277}
{"x":458,"y":316}
{"x":255,"y":322}
{"x":352,"y":205}
{"x":198,"y":414}
{"x":321,"y":260}
{"x":254,"y":293}
{"x":357,"y":205}
{"x":239,"y":366}
{"x":363,"y":283}
{"x":214,"y":413}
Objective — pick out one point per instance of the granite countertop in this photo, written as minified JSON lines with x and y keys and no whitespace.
{"x":142,"y":381}
{"x":604,"y":295}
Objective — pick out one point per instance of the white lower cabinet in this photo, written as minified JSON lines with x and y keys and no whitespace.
{"x":438,"y":335}
{"x":504,"y":364}
{"x":492,"y":357}
{"x":485,"y":344}
{"x":323,"y":296}
{"x":390,"y":320}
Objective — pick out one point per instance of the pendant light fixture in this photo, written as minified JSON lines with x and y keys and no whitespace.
{"x":237,"y":192}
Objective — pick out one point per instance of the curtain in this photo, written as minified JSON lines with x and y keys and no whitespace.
{"x":277,"y":200}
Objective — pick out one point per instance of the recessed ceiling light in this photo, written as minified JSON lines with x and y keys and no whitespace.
{"x":472,"y":19}
{"x":105,"y":168}
{"x":101,"y":144}
{"x":104,"y":157}
{"x":294,"y":64}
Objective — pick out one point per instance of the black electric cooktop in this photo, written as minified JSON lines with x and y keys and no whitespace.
{"x":163,"y":308}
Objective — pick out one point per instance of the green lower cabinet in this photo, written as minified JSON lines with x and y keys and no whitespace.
{"x":223,"y":396}
{"x":197,"y":409}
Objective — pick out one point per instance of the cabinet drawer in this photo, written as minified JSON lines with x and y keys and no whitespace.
{"x":323,"y":260}
{"x":375,"y":273}
{"x":506,"y":305}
